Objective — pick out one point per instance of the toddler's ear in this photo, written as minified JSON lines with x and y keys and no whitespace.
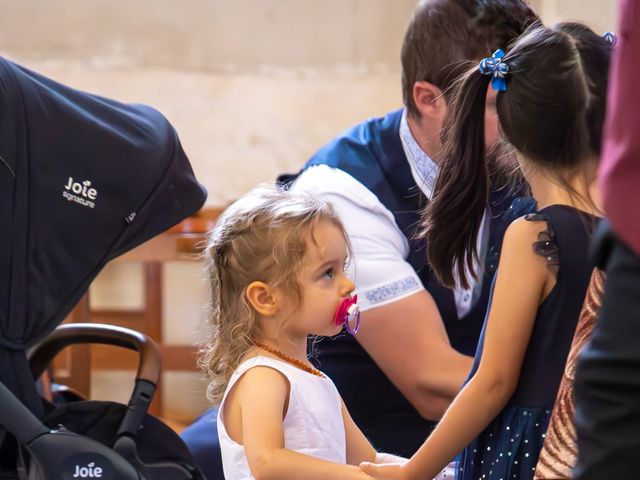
{"x":261,"y":297}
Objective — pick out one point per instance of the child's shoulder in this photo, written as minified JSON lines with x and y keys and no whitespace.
{"x":255,"y":365}
{"x":256,"y":374}
{"x":525,"y":229}
{"x":530,"y":239}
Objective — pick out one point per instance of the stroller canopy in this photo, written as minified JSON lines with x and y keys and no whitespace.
{"x":82,"y":180}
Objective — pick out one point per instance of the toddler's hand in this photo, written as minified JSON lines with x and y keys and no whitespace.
{"x":355,"y":473}
{"x":385,"y":471}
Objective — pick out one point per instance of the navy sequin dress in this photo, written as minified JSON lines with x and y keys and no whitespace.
{"x":509,"y":447}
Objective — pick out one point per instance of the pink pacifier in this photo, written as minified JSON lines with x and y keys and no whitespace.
{"x":348,"y":314}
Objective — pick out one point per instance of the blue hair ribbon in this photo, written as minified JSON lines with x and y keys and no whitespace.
{"x":498,"y":70}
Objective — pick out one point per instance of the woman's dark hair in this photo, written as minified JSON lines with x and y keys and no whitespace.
{"x":552,"y":113}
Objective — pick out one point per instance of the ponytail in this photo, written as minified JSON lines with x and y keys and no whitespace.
{"x":452,"y":219}
{"x":552,"y":115}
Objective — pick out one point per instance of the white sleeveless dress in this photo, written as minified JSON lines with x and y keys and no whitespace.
{"x":313,"y":423}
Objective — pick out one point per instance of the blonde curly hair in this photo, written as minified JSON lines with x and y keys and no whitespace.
{"x":260,"y":237}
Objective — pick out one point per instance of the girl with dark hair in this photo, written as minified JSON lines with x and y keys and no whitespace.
{"x":550,"y":106}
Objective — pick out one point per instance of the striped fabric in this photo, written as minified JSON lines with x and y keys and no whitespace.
{"x":558,"y":455}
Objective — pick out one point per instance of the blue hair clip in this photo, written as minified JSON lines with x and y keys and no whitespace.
{"x":498,"y":69}
{"x":611,"y":38}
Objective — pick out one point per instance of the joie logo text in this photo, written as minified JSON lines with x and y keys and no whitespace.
{"x":90,"y":471}
{"x":80,"y":192}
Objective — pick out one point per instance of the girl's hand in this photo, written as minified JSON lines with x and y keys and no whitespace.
{"x":385,"y":471}
{"x":357,"y":474}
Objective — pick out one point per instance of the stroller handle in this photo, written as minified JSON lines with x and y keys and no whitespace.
{"x":147,"y":378}
{"x":74,"y":333}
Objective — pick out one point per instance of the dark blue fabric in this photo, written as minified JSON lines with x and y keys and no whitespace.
{"x":510,"y":446}
{"x":202,"y":439}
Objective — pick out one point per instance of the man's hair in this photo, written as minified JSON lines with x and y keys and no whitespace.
{"x":444,"y":34}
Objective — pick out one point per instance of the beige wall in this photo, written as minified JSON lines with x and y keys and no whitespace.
{"x":208,"y":34}
{"x":253,"y":87}
{"x":598,"y":14}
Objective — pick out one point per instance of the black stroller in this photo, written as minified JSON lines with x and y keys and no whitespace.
{"x":82,"y":180}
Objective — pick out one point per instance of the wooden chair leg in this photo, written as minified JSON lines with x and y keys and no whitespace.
{"x":153,"y":320}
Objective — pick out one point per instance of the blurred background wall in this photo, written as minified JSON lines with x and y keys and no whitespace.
{"x":253,"y":87}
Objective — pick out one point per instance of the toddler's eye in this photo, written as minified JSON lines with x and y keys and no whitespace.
{"x":329,"y":273}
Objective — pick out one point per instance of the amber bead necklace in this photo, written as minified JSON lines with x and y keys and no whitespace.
{"x":291,"y":360}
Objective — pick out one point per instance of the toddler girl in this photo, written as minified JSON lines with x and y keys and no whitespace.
{"x":276,"y":264}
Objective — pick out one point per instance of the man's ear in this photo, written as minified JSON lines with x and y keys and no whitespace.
{"x":429,"y":99}
{"x":262,"y":299}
